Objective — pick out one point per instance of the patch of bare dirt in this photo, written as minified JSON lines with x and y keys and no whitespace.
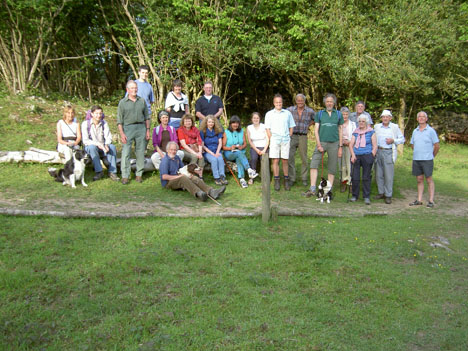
{"x":81,"y":208}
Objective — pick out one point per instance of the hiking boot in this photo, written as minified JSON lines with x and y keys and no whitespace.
{"x":353,"y":199}
{"x":367,"y":201}
{"x":430,"y":204}
{"x":287,"y":185}
{"x":215,"y":193}
{"x":125,"y":181}
{"x":379,"y":197}
{"x":416,"y":203}
{"x":114,"y":177}
{"x":388,"y":200}
{"x":309,"y":193}
{"x":138,"y":179}
{"x":243,"y":183}
{"x":201,"y":195}
{"x":252,"y":173}
{"x":218,"y":181}
{"x":98,"y":176}
{"x":277,"y":184}
{"x":224,"y":180}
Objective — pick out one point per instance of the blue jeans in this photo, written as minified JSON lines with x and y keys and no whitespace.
{"x":217,"y":165}
{"x":96,"y":153}
{"x":241,"y":161}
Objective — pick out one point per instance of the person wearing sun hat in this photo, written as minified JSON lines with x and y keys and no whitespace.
{"x":389,"y":136}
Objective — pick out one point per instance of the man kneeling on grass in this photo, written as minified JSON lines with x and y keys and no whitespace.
{"x":171,"y":179}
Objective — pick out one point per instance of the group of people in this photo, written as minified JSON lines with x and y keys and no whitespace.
{"x":348,"y":139}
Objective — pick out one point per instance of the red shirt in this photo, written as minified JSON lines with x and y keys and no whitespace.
{"x":191,"y":136}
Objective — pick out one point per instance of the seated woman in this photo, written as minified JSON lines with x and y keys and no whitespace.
{"x":162,"y":135}
{"x":348,"y":129}
{"x":68,"y":133}
{"x":258,"y":140}
{"x":211,"y":133}
{"x":171,"y":179}
{"x":190,"y":142}
{"x":234,"y":144}
{"x":97,"y":141}
{"x":177,"y":104}
{"x":363,"y":148}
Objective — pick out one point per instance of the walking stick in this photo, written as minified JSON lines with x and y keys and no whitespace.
{"x":230,"y":170}
{"x":351,"y":181}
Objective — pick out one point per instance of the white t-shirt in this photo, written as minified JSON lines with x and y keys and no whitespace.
{"x":258,"y":136}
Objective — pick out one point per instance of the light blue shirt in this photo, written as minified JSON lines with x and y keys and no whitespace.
{"x":279,"y":123}
{"x":423,"y":143}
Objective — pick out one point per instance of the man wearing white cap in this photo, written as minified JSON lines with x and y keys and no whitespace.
{"x":388,"y":137}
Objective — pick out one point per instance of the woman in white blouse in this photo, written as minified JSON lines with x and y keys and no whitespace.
{"x":68,"y":133}
{"x":258,"y":140}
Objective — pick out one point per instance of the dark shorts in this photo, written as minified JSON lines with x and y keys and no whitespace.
{"x":423,"y":167}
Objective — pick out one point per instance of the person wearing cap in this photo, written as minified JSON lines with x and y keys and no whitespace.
{"x":348,"y":128}
{"x":303,"y":117}
{"x":425,"y":144}
{"x":389,"y":136}
{"x":360,"y":107}
{"x":162,"y":135}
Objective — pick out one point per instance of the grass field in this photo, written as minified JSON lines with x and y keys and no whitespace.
{"x":379,"y":282}
{"x":209,"y":284}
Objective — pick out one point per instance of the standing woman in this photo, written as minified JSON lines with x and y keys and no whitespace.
{"x":348,"y":128}
{"x":363,"y":148}
{"x":176,"y":104}
{"x":258,"y":141}
{"x":191,"y":142}
{"x":68,"y":133}
{"x":211,"y":133}
{"x":234,"y":144}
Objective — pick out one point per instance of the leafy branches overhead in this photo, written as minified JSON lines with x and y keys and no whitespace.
{"x":390,"y":53}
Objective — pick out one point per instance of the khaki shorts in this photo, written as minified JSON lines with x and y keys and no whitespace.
{"x":332,"y":151}
{"x":280,"y":150}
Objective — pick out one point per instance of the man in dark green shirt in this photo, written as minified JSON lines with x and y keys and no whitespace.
{"x":329,"y":139}
{"x":134,"y":123}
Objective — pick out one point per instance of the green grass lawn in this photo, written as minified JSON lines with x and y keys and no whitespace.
{"x":233,"y":284}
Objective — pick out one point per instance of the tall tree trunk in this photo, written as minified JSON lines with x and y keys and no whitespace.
{"x":401,"y":121}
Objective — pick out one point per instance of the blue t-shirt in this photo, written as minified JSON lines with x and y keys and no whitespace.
{"x":211,"y":139}
{"x":423,"y":143}
{"x":366,"y":149}
{"x":169,"y":166}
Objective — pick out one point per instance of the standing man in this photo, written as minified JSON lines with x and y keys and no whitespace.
{"x":359,"y":107}
{"x":388,"y":137}
{"x":303,"y":117}
{"x":133,"y":121}
{"x":329,"y":138}
{"x":145,"y":90}
{"x":425,"y":144}
{"x":97,"y":141}
{"x":279,"y":125}
{"x":208,"y":104}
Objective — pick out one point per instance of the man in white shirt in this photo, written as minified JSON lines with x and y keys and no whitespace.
{"x":97,"y":141}
{"x":279,"y":124}
{"x":388,"y":137}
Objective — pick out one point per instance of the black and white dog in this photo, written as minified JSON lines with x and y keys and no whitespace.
{"x":324,"y":191}
{"x":73,"y":171}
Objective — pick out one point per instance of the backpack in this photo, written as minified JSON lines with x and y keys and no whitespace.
{"x":320,"y":115}
{"x":89,"y":117}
